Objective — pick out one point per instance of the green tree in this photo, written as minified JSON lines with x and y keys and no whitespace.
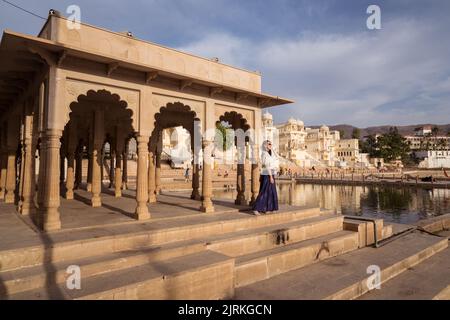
{"x":356,"y":133}
{"x":224,"y":136}
{"x":435,"y":131}
{"x":342,"y":134}
{"x":370,"y":146}
{"x":393,"y":146}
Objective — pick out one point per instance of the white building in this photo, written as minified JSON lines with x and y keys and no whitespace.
{"x":434,"y":159}
{"x":307,"y":147}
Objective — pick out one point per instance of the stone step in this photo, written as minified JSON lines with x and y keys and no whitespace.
{"x":204,"y":275}
{"x":264,"y":265}
{"x":251,"y":241}
{"x":259,"y":239}
{"x":147,"y":235}
{"x":426,"y":281}
{"x":346,"y":277}
{"x":30,"y":278}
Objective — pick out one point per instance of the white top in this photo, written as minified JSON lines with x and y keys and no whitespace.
{"x":269,"y":163}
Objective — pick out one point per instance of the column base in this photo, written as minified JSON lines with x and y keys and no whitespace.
{"x":207,"y":207}
{"x":89,"y":187}
{"x":27,"y":209}
{"x":124,"y":186}
{"x":196,"y":195}
{"x":152,"y":198}
{"x":2,"y":195}
{"x":118,"y":193}
{"x":96,"y":202}
{"x":142,"y":213}
{"x":51,"y":224}
{"x":10,"y":197}
{"x":69,"y":195}
{"x":241,"y":201}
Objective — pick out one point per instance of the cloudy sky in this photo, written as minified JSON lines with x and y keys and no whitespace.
{"x":316,"y":52}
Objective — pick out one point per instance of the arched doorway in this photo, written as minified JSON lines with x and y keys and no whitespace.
{"x":97,"y":132}
{"x":176,"y":115}
{"x":242,"y":139}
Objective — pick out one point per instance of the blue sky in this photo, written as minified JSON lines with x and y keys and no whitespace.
{"x":317,"y":52}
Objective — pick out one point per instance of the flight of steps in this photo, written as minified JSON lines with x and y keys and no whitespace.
{"x":414,"y":266}
{"x":196,"y":261}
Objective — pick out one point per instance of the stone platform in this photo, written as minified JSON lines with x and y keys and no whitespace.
{"x":182,"y":253}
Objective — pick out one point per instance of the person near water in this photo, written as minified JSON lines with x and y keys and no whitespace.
{"x":267,"y":200}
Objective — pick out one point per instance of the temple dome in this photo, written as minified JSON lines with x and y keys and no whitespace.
{"x":267,"y":116}
{"x":324,"y":128}
{"x":292,"y":121}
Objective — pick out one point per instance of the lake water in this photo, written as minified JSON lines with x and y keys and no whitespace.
{"x":394,"y":204}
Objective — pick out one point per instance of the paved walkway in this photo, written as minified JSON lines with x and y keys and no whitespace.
{"x":81,"y":221}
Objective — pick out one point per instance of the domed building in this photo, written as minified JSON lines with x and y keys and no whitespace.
{"x":307,"y":147}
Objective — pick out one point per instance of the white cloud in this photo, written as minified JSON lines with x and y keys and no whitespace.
{"x":398,"y":75}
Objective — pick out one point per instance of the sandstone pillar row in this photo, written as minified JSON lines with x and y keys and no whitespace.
{"x":97,"y":158}
{"x":71,"y":149}
{"x":10,"y":185}
{"x":151,"y":178}
{"x":207,"y":205}
{"x":142,"y":212}
{"x":49,"y":211}
{"x":125,"y":166}
{"x":28,"y":184}
{"x":240,"y":199}
{"x":3,"y":169}
{"x":255,"y":173}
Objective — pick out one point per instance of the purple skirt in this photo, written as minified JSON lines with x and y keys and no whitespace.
{"x":267,"y":199}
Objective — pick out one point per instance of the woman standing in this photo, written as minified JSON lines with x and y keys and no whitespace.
{"x":267,"y":200}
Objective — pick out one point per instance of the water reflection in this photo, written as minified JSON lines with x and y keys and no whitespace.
{"x":396,"y":204}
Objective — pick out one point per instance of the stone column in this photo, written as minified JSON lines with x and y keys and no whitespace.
{"x":102,"y":166}
{"x":255,"y":173}
{"x":21,"y":166}
{"x":158,"y":173}
{"x":70,"y":180}
{"x":90,"y":162}
{"x":28,"y":184}
{"x":207,"y":205}
{"x":240,"y":184}
{"x":37,"y":218}
{"x":118,"y":175}
{"x":112,"y":168}
{"x":71,"y":148}
{"x":97,"y":159}
{"x":142,"y":179}
{"x":78,"y":166}
{"x":41,"y":180}
{"x":151,"y":178}
{"x":10,"y":186}
{"x":3,"y":169}
{"x":195,"y":174}
{"x":125,"y":167}
{"x":196,"y":182}
{"x":49,"y":211}
{"x":62,"y":164}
